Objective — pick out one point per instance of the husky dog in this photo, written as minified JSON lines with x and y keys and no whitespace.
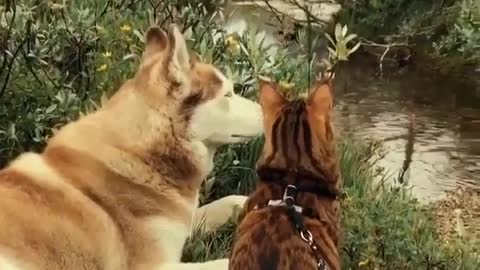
{"x":118,"y":189}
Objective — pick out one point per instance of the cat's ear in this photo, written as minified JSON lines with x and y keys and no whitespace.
{"x":320,"y":100}
{"x":270,"y":97}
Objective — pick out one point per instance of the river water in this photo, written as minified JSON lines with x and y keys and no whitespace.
{"x":429,"y":126}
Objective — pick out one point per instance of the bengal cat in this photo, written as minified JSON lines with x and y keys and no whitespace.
{"x":292,"y":218}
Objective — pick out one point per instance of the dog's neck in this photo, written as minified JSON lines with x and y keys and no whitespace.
{"x":139,"y":144}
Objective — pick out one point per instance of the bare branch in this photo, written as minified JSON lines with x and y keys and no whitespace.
{"x":10,"y":66}
{"x":381,"y":60}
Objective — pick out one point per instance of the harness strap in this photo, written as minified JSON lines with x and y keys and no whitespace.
{"x":294,"y":212}
{"x":298,"y":208}
{"x":316,"y":185}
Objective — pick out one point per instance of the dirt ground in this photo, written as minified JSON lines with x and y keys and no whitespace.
{"x":465,"y":204}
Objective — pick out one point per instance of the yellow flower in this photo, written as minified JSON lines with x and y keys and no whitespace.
{"x":233,"y":44}
{"x":102,"y":67}
{"x":125,"y":28}
{"x":286,"y":85}
{"x":231,"y":41}
{"x":107,"y":54}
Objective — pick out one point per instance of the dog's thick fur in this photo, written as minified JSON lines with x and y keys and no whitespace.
{"x":118,"y":189}
{"x":299,"y":150}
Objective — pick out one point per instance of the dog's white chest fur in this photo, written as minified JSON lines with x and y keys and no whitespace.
{"x":168,"y":235}
{"x":7,"y":263}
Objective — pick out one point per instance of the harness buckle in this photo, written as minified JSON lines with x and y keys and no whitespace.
{"x":307,"y":236}
{"x":289,"y":195}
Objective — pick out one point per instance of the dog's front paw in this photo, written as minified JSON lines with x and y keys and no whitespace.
{"x":221,"y":264}
{"x":219,"y":212}
{"x":237,"y":202}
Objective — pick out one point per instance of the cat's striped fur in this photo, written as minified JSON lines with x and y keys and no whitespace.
{"x":299,"y":149}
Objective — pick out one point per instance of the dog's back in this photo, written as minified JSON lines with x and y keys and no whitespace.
{"x":48,"y":224}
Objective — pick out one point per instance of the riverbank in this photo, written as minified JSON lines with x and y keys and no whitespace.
{"x":458,"y":216}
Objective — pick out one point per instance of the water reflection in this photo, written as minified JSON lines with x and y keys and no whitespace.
{"x":430,"y":130}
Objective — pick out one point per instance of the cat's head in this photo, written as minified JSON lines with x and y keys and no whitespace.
{"x":299,"y":134}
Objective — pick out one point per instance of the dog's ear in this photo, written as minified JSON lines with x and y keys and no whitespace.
{"x":155,"y":40}
{"x":180,"y":58}
{"x":194,"y":58}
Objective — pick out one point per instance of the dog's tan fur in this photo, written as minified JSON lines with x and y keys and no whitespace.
{"x":118,"y":189}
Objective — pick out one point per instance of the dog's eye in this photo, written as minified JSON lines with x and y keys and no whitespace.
{"x":228,"y":94}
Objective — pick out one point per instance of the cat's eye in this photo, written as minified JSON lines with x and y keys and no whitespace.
{"x":228,"y":94}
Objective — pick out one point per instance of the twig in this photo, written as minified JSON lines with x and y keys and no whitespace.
{"x":9,"y":32}
{"x":30,"y":68}
{"x":309,"y":25}
{"x":155,"y":7}
{"x":162,"y":23}
{"x":307,"y":12}
{"x":68,"y":29}
{"x":381,"y":60}
{"x":274,"y":11}
{"x":105,"y":8}
{"x":48,"y":77}
{"x":439,"y":7}
{"x":10,"y":67}
{"x":369,"y":43}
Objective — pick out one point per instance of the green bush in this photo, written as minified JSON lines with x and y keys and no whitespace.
{"x":59,"y":59}
{"x":463,"y":32}
{"x":450,"y":28}
{"x":56,"y":59}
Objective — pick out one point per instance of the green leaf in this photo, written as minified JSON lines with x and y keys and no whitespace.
{"x":139,"y":35}
{"x":129,"y":56}
{"x":344,"y":31}
{"x":103,"y":99}
{"x":349,"y":38}
{"x":51,"y":108}
{"x":332,"y":51}
{"x":338,"y":31}
{"x":244,"y":49}
{"x":330,"y":39}
{"x":355,"y":48}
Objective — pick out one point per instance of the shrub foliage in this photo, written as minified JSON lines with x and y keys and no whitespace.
{"x":450,"y":27}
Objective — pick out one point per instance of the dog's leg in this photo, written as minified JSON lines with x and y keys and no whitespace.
{"x":221,"y":264}
{"x":218,"y":212}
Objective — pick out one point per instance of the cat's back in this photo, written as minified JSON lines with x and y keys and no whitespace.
{"x":267,"y":240}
